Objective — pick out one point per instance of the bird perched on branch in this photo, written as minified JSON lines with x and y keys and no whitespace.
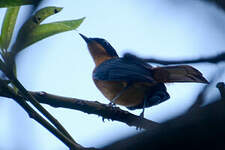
{"x":129,"y":81}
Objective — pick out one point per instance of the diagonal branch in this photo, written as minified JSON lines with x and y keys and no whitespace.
{"x":213,"y":59}
{"x":7,"y":91}
{"x":202,"y":129}
{"x":61,"y":133}
{"x":32,"y":99}
{"x":221,"y":87}
{"x":199,"y":100}
{"x":201,"y":96}
{"x":9,"y":73}
{"x":219,"y":3}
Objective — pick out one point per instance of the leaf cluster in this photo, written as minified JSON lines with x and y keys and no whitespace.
{"x":31,"y":31}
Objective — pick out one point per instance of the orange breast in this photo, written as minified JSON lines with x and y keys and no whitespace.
{"x":133,"y":96}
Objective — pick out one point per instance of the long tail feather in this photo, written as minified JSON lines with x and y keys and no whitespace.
{"x":182,"y":73}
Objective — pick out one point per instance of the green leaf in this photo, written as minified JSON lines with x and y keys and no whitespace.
{"x":44,"y":13}
{"x":8,"y":26}
{"x":36,"y":19}
{"x":33,"y":22}
{"x":13,"y":3}
{"x":0,"y":42}
{"x":46,"y":30}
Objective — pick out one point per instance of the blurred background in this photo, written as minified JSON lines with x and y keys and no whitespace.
{"x":62,"y":65}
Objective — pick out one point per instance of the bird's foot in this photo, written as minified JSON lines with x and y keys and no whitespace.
{"x":111,"y":104}
{"x":141,"y":117}
{"x":142,"y":114}
{"x":103,"y":119}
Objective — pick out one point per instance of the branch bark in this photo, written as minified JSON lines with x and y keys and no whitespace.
{"x":213,"y":59}
{"x":201,"y":129}
{"x":7,"y":91}
{"x":94,"y":107}
{"x":221,"y":87}
{"x":219,"y":3}
{"x":8,"y":71}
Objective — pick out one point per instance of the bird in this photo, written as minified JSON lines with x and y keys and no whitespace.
{"x":131,"y":82}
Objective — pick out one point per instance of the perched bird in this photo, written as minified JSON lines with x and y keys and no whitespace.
{"x":129,"y":81}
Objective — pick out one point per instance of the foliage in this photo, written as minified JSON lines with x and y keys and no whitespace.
{"x":31,"y":31}
{"x":13,"y":3}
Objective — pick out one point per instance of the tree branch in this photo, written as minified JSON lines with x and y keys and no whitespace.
{"x":199,"y":100}
{"x":219,"y":3}
{"x":221,"y":87}
{"x":7,"y":91}
{"x":201,"y":129}
{"x":93,"y":107}
{"x":213,"y":59}
{"x":5,"y":67}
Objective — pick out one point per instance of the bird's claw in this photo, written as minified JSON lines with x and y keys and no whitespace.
{"x":103,"y":119}
{"x":111,"y":104}
{"x":141,"y":116}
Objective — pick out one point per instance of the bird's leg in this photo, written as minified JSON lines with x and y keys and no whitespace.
{"x":112,"y":103}
{"x":143,"y":109}
{"x":139,"y":127}
{"x":157,"y":98}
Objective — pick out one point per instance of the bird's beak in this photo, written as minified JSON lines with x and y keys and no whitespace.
{"x":87,"y":40}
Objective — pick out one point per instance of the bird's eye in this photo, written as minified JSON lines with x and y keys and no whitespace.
{"x":105,"y":42}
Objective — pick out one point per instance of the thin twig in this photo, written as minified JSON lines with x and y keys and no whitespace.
{"x":7,"y":67}
{"x":32,"y":99}
{"x":213,"y":59}
{"x":6,"y":91}
{"x":219,"y":3}
{"x":201,"y":96}
{"x":9,"y":73}
{"x":199,"y":100}
{"x":221,"y":87}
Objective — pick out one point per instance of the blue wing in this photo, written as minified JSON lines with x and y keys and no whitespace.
{"x":124,"y":69}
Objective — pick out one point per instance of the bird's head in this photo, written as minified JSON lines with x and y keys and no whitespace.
{"x":100,"y":49}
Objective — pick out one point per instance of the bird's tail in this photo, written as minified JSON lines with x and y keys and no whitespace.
{"x":181,"y":73}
